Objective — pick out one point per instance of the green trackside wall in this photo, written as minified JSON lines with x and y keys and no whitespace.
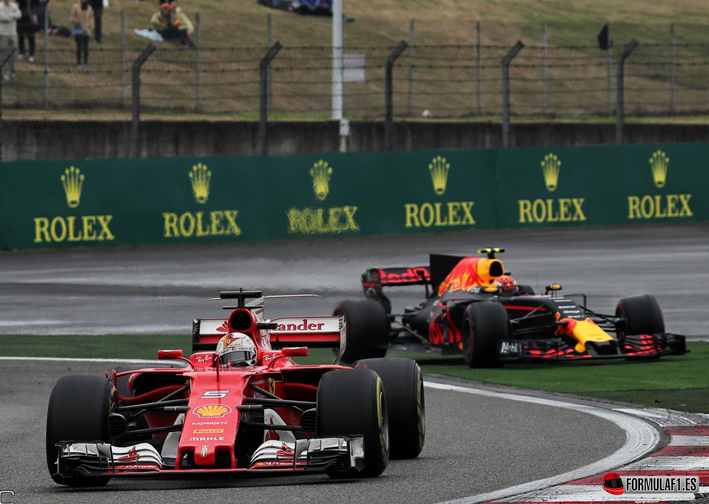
{"x":178,"y":200}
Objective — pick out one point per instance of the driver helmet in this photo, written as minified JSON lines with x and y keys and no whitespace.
{"x":236,"y":349}
{"x":506,"y":284}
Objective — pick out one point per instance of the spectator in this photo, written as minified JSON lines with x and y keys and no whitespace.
{"x":169,"y":26}
{"x":27,"y":26}
{"x":182,"y":17}
{"x":82,"y":16}
{"x":9,"y":14}
{"x":97,"y":6}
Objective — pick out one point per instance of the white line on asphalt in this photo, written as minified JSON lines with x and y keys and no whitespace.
{"x":72,"y":359}
{"x":679,"y":463}
{"x":642,"y":438}
{"x":689,"y":441}
{"x":595,"y":493}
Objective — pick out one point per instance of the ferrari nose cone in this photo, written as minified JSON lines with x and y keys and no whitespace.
{"x":613,"y":484}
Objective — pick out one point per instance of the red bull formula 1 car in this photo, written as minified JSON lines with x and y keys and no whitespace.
{"x":262,"y":413}
{"x":473,"y":307}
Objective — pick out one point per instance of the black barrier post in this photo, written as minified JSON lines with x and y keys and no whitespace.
{"x":135,"y":130}
{"x":389,"y":94}
{"x":263,"y":94}
{"x":620,"y":98}
{"x":506,"y":61}
{"x":4,"y":58}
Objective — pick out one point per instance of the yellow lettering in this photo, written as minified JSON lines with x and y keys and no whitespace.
{"x":200,"y":228}
{"x":412,"y":217}
{"x":439,"y":222}
{"x":539,"y":210}
{"x":89,"y":232}
{"x":453,"y":208}
{"x":105,"y":233}
{"x":564,"y":204}
{"x":58,"y":237}
{"x":659,"y":213}
{"x":684,"y":199}
{"x":633,"y":207}
{"x":525,"y":211}
{"x":426,"y":221}
{"x":73,"y":238}
{"x":672,"y":205}
{"x":216,"y":221}
{"x":170,"y":224}
{"x":41,"y":229}
{"x":647,"y":207}
{"x":550,"y":212}
{"x":232,"y":228}
{"x":349,"y":214}
{"x":186,"y":224}
{"x":467,"y":209}
{"x":578,"y":203}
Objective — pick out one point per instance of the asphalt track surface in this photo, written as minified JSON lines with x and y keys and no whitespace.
{"x":474,"y":444}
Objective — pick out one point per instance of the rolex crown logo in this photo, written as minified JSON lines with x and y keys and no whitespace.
{"x":659,"y":162}
{"x":73,"y":181}
{"x":321,"y":172}
{"x":200,"y":177}
{"x":550,"y":168}
{"x":439,"y":174}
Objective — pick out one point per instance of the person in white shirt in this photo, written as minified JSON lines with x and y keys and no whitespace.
{"x":9,"y":14}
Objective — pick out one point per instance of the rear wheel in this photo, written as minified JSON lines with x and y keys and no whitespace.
{"x":639,"y":315}
{"x":484,"y":323}
{"x":367,"y":329}
{"x":353,"y":403}
{"x":78,"y":411}
{"x":403,"y":383}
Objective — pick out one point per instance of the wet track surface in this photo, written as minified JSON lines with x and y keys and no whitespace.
{"x":474,"y":444}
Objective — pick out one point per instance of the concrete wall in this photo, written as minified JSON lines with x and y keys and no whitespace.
{"x":36,"y":140}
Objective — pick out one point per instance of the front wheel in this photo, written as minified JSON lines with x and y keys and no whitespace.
{"x":484,"y":324}
{"x":353,"y":403}
{"x":639,"y":315}
{"x":403,"y":382}
{"x":78,"y":411}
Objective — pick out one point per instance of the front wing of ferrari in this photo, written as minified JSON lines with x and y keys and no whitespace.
{"x":98,"y":459}
{"x":635,"y":346}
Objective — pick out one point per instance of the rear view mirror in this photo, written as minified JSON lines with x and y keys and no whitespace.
{"x":170,"y":354}
{"x":295,"y":352}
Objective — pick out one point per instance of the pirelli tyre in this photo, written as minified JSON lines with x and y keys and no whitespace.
{"x":367,"y":329}
{"x":78,"y":410}
{"x":484,"y":324}
{"x":639,"y":315}
{"x":352,"y":403}
{"x":403,"y":382}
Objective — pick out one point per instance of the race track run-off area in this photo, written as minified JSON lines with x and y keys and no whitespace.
{"x":483,"y":443}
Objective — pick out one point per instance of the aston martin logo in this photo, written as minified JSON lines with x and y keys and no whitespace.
{"x":212,"y":411}
{"x":321,"y":173}
{"x":659,"y":162}
{"x":550,"y":168}
{"x":200,"y":177}
{"x":439,"y":174}
{"x":73,"y":181}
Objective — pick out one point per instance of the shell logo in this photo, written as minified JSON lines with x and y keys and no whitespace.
{"x":212,"y":411}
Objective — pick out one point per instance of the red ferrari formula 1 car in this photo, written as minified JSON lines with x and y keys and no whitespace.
{"x":473,"y":307}
{"x":238,"y":405}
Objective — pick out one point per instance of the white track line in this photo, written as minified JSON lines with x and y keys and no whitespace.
{"x":642,"y":438}
{"x":73,"y":359}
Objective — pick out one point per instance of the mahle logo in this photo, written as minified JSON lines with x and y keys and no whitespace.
{"x":550,"y":168}
{"x":659,"y":163}
{"x":321,"y":173}
{"x":200,"y":177}
{"x":439,"y":174}
{"x":73,"y":181}
{"x":321,"y":220}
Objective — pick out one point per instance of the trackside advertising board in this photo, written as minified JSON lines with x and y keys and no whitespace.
{"x":80,"y":203}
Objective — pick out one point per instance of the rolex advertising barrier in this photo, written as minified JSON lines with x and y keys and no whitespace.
{"x":177,"y":200}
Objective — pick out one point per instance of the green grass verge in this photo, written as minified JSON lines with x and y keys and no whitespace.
{"x":679,"y":383}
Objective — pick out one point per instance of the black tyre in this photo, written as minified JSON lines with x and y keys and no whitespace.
{"x":78,"y":410}
{"x":353,"y":403}
{"x":403,"y":382}
{"x":367,"y":329}
{"x":638,"y":315}
{"x":484,"y":323}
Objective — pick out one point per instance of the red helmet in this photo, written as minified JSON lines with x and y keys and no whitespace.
{"x":613,"y":484}
{"x":505,"y":283}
